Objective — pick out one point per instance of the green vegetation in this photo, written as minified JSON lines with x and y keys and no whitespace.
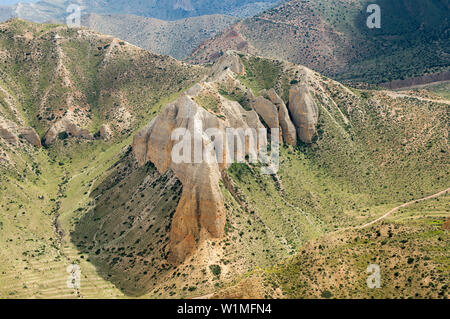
{"x":89,"y":203}
{"x":215,"y":270}
{"x":410,"y":249}
{"x":208,"y":102}
{"x":46,"y":192}
{"x":441,"y":89}
{"x":260,"y":73}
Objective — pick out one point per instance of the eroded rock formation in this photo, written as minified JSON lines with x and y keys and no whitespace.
{"x":267,"y":110}
{"x":287,"y":127}
{"x":11,"y":132}
{"x":200,"y":213}
{"x":229,"y":60}
{"x":304,"y":112}
{"x":105,"y":132}
{"x":65,"y":125}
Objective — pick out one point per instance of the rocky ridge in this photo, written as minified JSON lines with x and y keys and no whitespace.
{"x":201,"y":213}
{"x":12,"y":132}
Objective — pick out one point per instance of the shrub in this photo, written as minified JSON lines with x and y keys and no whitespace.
{"x":63,"y":135}
{"x":215,"y":269}
{"x":326,"y":294}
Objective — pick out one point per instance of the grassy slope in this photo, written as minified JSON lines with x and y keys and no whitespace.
{"x":410,"y":247}
{"x":371,"y":153}
{"x":44,"y":191}
{"x":369,"y":144}
{"x":351,"y":175}
{"x":441,"y":89}
{"x":108,"y":79}
{"x":331,"y":37}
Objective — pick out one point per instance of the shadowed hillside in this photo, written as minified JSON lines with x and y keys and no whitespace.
{"x":175,"y":38}
{"x":331,"y":36}
{"x":44,"y":11}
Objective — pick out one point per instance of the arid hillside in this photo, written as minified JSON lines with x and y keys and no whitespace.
{"x":175,"y":38}
{"x":105,"y":193}
{"x":59,"y":79}
{"x":70,"y":101}
{"x":410,"y":247}
{"x":332,"y":37}
{"x":51,"y":10}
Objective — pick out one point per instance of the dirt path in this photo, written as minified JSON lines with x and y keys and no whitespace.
{"x":205,"y":296}
{"x":402,"y":206}
{"x":395,"y":95}
{"x":208,"y":296}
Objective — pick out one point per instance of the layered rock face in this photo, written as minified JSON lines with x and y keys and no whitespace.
{"x":11,"y":132}
{"x":302,"y":109}
{"x":105,"y":132}
{"x":267,"y":110}
{"x":304,"y":112}
{"x":201,"y":204}
{"x":200,"y":213}
{"x":65,"y":125}
{"x":287,"y":127}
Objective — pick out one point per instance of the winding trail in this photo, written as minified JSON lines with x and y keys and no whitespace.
{"x":402,"y":206}
{"x":395,"y":95}
{"x":208,"y":296}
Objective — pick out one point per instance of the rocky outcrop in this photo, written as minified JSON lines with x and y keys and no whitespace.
{"x":65,"y":125}
{"x":200,"y":163}
{"x":200,"y":213}
{"x":446,"y":224}
{"x":249,"y":95}
{"x":201,"y":204}
{"x":7,"y":132}
{"x":229,"y":61}
{"x":30,"y":135}
{"x":304,"y":112}
{"x":105,"y":132}
{"x":288,"y":129}
{"x":11,"y":132}
{"x":267,"y":110}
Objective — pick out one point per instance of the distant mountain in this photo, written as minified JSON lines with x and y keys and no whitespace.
{"x":331,"y":36}
{"x":48,"y":10}
{"x":173,"y":27}
{"x":175,"y":38}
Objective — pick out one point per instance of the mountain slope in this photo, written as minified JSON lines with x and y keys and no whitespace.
{"x":174,"y":28}
{"x":365,"y":158}
{"x":56,"y":74}
{"x":411,"y":249}
{"x":175,"y":38}
{"x":51,"y":10}
{"x":49,"y":72}
{"x":331,"y":37}
{"x":137,"y":223}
